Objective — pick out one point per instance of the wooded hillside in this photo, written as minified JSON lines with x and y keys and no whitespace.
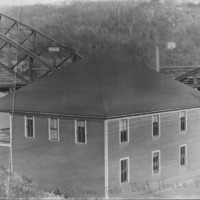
{"x":126,"y":26}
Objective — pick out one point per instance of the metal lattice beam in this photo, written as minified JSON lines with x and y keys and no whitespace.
{"x":31,"y":54}
{"x":33,"y":47}
{"x":186,"y":75}
{"x":70,"y":50}
{"x":13,"y":73}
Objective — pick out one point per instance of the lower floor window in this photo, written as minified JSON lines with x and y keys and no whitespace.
{"x":183,"y":155}
{"x":124,"y":170}
{"x":156,"y":162}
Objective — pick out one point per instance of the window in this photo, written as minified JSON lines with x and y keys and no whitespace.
{"x":124,"y":170}
{"x":156,"y":162}
{"x":54,"y":129}
{"x":124,"y":137}
{"x":80,"y":132}
{"x":183,"y":155}
{"x":29,"y":127}
{"x":155,"y":120}
{"x":183,"y":121}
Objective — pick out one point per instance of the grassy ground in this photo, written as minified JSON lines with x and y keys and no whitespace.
{"x":15,"y":186}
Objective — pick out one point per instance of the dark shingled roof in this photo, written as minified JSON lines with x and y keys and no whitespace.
{"x":103,"y":85}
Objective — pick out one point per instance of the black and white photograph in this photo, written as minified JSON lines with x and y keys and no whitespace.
{"x":99,"y":99}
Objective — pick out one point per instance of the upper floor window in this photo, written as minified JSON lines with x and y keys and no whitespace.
{"x":156,"y":129}
{"x":183,"y":121}
{"x":54,"y":129}
{"x":124,"y":170}
{"x":156,"y":162}
{"x":80,"y":132}
{"x":29,"y":127}
{"x":183,"y":155}
{"x":124,"y":137}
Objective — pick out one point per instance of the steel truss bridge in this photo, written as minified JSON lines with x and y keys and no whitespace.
{"x":191,"y":78}
{"x":28,"y":54}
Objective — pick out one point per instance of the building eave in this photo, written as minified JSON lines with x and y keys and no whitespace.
{"x":96,"y":117}
{"x":55,"y":114}
{"x":151,"y":112}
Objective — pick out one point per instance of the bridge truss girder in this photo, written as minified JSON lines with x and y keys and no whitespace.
{"x":28,"y":53}
{"x":191,"y":78}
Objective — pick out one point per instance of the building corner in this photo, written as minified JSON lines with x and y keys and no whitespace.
{"x":106,"y":184}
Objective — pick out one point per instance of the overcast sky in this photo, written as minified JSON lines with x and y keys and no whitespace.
{"x":27,"y":2}
{"x":30,"y":2}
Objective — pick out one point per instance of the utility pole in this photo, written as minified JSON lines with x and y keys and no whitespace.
{"x":11,"y":134}
{"x":157,"y":59}
{"x":157,"y":50}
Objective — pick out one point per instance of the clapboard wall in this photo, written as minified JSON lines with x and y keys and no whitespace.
{"x":142,"y":144}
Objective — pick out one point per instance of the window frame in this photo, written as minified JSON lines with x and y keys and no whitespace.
{"x":183,"y":131}
{"x":128,"y":170}
{"x":49,"y":124}
{"x":183,"y":145}
{"x":120,"y":129}
{"x":159,"y":161}
{"x":76,"y":134}
{"x":159,"y":128}
{"x":26,"y":117}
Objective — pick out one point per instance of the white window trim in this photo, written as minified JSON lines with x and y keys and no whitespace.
{"x":76,"y":141}
{"x":157,"y":151}
{"x":185,"y":131}
{"x":127,"y":131}
{"x":159,"y":127}
{"x":185,"y":155}
{"x":125,"y":158}
{"x":25,"y":124}
{"x":49,"y":124}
